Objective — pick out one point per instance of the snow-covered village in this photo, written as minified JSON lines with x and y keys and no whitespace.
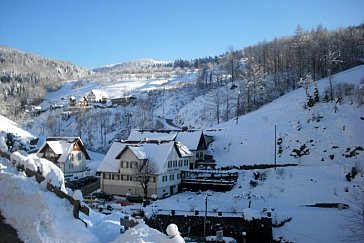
{"x":194,"y":141}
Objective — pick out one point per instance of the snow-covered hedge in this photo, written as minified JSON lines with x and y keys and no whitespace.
{"x":48,"y":169}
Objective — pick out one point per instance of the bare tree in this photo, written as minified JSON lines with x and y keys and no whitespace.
{"x":354,"y":221}
{"x":144,"y":172}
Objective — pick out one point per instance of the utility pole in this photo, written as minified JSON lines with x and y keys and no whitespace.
{"x":204,"y":222}
{"x":275,"y":147}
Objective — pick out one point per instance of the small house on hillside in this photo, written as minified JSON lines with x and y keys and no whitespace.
{"x":68,"y":153}
{"x":167,"y":158}
{"x":72,"y":101}
{"x":84,"y":101}
{"x":125,"y":100}
{"x":194,"y":140}
{"x":97,"y":96}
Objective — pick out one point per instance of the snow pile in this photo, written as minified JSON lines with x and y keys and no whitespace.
{"x":77,"y":195}
{"x":40,"y":216}
{"x":3,"y":146}
{"x":250,"y":214}
{"x":37,"y":215}
{"x":48,"y":169}
{"x":142,"y":233}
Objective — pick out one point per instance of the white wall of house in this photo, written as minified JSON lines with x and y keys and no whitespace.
{"x":163,"y":184}
{"x":76,"y":162}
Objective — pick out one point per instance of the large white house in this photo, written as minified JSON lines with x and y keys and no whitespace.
{"x":97,"y":96}
{"x":68,"y":153}
{"x":168,"y":158}
{"x":194,"y":140}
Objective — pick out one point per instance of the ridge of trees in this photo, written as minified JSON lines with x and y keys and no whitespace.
{"x":258,"y":74}
{"x":25,"y":78}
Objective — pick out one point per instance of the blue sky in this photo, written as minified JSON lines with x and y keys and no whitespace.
{"x":95,"y":33}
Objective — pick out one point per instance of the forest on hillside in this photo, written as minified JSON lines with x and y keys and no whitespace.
{"x":271,"y":69}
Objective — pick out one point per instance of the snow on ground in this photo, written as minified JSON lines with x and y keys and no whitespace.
{"x":40,"y":216}
{"x":10,"y":126}
{"x":37,"y":215}
{"x":250,"y":140}
{"x":284,"y":190}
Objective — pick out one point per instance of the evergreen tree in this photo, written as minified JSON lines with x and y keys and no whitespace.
{"x":316,"y":94}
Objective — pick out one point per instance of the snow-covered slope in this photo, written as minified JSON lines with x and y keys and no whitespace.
{"x":250,"y":140}
{"x":10,"y":126}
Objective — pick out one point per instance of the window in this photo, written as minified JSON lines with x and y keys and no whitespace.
{"x":180,"y":163}
{"x":121,"y":164}
{"x":116,"y":177}
{"x":71,"y":156}
{"x":121,"y":177}
{"x":171,"y":177}
{"x":164,"y":178}
{"x":169,"y":164}
{"x":79,"y":155}
{"x":154,"y":179}
{"x":106,"y":176}
{"x":186,"y":162}
{"x":174,"y":163}
{"x":178,"y":176}
{"x":126,"y":164}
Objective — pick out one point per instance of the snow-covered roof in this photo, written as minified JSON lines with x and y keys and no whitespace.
{"x":140,"y":135}
{"x":99,"y":94}
{"x":156,"y":152}
{"x":190,"y":139}
{"x":110,"y":163}
{"x":183,"y":150}
{"x":138,"y":152}
{"x":63,"y":146}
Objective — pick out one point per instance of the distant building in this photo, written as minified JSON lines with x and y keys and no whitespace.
{"x":68,"y":153}
{"x":84,"y":101}
{"x":169,"y":158}
{"x":97,"y":96}
{"x":125,"y":100}
{"x":72,"y":101}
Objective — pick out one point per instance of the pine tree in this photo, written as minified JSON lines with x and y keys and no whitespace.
{"x":316,"y":94}
{"x":310,"y":101}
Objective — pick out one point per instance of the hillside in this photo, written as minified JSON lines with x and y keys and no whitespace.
{"x":26,"y":77}
{"x":250,"y":140}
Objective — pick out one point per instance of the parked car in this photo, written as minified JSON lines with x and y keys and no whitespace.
{"x":134,"y":198}
{"x":103,"y":195}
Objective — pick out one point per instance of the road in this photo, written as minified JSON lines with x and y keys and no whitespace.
{"x":88,"y":189}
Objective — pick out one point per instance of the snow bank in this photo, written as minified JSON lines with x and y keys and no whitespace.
{"x":3,"y":146}
{"x":142,"y":233}
{"x":48,"y":169}
{"x":38,"y":216}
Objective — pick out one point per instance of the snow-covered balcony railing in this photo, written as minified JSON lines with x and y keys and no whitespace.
{"x":209,"y":180}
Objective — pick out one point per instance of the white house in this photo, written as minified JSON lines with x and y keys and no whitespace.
{"x":194,"y":140}
{"x":68,"y":153}
{"x":97,"y":96}
{"x":169,"y":158}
